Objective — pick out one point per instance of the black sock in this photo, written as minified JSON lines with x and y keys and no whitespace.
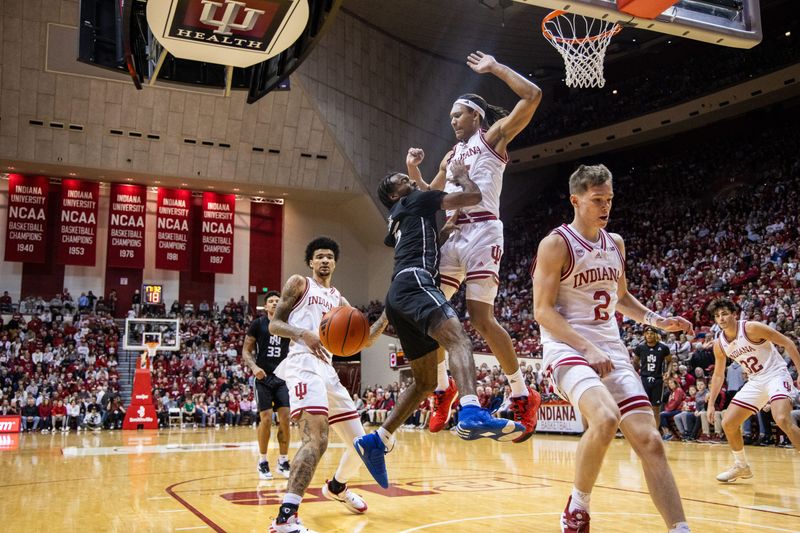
{"x":336,"y":487}
{"x":287,"y":511}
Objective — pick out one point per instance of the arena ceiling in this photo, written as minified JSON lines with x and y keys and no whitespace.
{"x":450,"y":29}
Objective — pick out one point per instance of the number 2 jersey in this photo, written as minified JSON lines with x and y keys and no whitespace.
{"x":759,"y":359}
{"x":587,"y":295}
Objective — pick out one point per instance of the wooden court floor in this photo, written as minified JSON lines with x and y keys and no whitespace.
{"x":205,"y":480}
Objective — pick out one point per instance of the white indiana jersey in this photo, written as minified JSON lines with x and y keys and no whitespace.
{"x":486,"y":169}
{"x":307,"y":313}
{"x":587,"y":296}
{"x":757,"y":358}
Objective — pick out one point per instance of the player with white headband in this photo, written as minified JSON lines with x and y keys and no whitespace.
{"x":472,"y":253}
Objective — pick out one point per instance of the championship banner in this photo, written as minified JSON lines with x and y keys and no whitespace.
{"x":216,"y":253}
{"x":172,"y":229}
{"x":26,"y":228}
{"x":559,"y":417}
{"x":126,"y":217}
{"x":77,"y":241}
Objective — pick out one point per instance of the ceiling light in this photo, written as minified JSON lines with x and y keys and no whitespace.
{"x":260,"y":192}
{"x":788,"y":34}
{"x":614,"y":91}
{"x":10,"y":168}
{"x":72,"y":174}
{"x":184,"y":184}
{"x":128,"y":179}
{"x":235,"y":190}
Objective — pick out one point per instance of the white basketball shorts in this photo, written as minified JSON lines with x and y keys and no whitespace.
{"x":473,"y":254}
{"x":761,"y":390}
{"x":315,"y":388}
{"x":572,"y":376}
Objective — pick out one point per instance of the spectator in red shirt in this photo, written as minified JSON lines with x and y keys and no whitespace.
{"x":45,"y":412}
{"x":671,"y":408}
{"x":59,"y":416}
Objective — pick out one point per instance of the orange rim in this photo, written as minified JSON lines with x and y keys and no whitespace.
{"x":615,"y":29}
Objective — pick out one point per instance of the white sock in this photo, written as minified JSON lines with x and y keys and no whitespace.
{"x":680,"y":527}
{"x":580,"y":500}
{"x":739,"y":458}
{"x":442,"y":381}
{"x":517,"y":382}
{"x":386,"y":437}
{"x":470,"y":399}
{"x":283,"y":458}
{"x":291,"y":498}
{"x":263,"y":457}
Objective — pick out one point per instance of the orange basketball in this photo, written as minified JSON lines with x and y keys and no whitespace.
{"x":344,"y":330}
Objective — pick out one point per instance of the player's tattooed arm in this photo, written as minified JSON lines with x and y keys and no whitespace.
{"x":290,"y":295}
{"x":376,"y":329}
{"x":249,"y":360}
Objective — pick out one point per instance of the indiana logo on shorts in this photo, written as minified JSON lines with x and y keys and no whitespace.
{"x":300,"y":390}
{"x":497,"y":253}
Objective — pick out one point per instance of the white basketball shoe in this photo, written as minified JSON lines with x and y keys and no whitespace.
{"x":354,"y":503}
{"x":293,"y":525}
{"x":735,"y":472}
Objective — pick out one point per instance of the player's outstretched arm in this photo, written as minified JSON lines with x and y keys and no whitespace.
{"x":504,"y":130}
{"x":717,"y":379}
{"x":471,"y":195}
{"x":629,"y":306}
{"x":376,"y":329}
{"x":550,"y":259}
{"x":757,"y":330}
{"x":290,"y":295}
{"x":414,"y":160}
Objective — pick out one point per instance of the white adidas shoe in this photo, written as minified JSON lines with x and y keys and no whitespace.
{"x":354,"y":503}
{"x":735,"y":472}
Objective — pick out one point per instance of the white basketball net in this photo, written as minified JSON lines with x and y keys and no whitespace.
{"x":582,"y":42}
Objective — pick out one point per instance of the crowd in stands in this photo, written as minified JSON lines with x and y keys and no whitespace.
{"x":655,"y":85}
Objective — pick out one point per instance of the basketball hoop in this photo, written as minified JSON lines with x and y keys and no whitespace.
{"x":151,"y":349}
{"x":582,"y":42}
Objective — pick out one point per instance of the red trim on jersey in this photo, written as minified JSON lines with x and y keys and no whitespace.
{"x":303,"y":297}
{"x":476,"y":216}
{"x":482,"y":274}
{"x":566,"y":274}
{"x":350,"y":415}
{"x":743,"y":324}
{"x":616,"y":248}
{"x":447,"y":280}
{"x":498,"y":156}
{"x":744,"y":405}
{"x":573,"y":360}
{"x":779,"y":397}
{"x":577,"y":237}
{"x":602,"y":240}
{"x":311,"y":409}
{"x":636,"y":405}
{"x":532,"y":269}
{"x":627,"y":401}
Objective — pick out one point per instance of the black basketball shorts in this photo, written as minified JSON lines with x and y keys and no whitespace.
{"x":413,"y":305}
{"x":654,"y":387}
{"x":271,"y":393}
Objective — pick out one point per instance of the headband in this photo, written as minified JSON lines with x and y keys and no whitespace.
{"x":472,"y":105}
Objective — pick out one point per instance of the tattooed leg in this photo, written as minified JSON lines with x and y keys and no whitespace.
{"x":314,"y":434}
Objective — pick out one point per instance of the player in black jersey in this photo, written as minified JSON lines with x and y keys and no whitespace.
{"x":652,"y":358}
{"x":422,"y":317}
{"x":271,"y":392}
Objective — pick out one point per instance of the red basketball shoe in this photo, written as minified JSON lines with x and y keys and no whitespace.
{"x":576,"y":521}
{"x":526,"y":412}
{"x":442,"y":406}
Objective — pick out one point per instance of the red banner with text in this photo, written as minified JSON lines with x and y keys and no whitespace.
{"x":26,"y":228}
{"x":172,"y":229}
{"x":77,"y":241}
{"x":126,"y":220}
{"x":216,"y":253}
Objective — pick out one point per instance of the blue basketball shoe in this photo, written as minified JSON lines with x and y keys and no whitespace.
{"x":372,"y":450}
{"x":476,"y":423}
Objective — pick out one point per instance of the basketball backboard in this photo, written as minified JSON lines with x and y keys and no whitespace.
{"x":141,"y":331}
{"x":734,"y":23}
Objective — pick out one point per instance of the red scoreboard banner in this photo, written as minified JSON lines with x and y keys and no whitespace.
{"x":216,"y":253}
{"x":77,"y":242}
{"x":26,"y":228}
{"x":126,"y":219}
{"x":172,"y":229}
